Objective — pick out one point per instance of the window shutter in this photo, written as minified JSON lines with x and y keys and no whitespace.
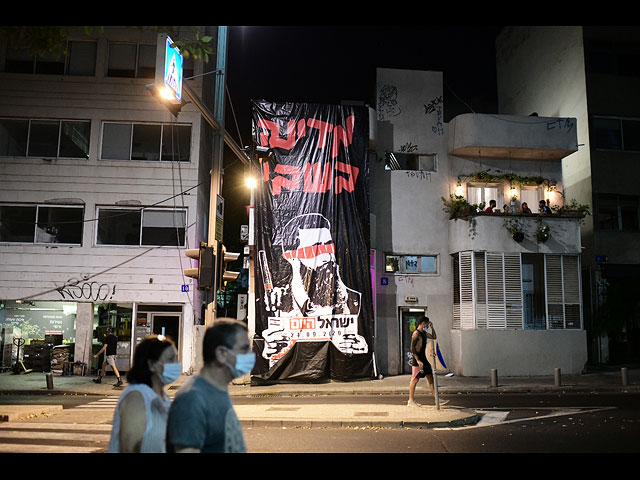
{"x":481,"y":290}
{"x":553,"y":277}
{"x":513,"y":290}
{"x":571,"y":280}
{"x":456,"y":291}
{"x":466,"y":291}
{"x":496,"y":312}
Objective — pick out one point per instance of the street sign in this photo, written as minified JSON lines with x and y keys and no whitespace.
{"x":169,"y":69}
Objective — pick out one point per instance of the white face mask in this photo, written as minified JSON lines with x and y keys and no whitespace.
{"x":170,"y":372}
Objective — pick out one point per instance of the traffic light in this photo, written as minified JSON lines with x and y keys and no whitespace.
{"x":224,"y":275}
{"x":206,"y":263}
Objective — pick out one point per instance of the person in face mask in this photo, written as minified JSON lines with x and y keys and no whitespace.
{"x":202,"y":417}
{"x":140,"y":417}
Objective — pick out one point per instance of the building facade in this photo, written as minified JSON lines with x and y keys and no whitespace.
{"x":101,"y":193}
{"x":497,"y":300}
{"x":590,"y":73}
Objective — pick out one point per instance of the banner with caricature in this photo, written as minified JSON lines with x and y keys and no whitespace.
{"x":314,"y":314}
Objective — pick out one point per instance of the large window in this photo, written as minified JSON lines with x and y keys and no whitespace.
{"x":500,"y":290}
{"x":41,"y":224}
{"x":81,"y":60}
{"x":141,"y":227}
{"x":44,"y":138}
{"x":614,"y":133}
{"x":131,"y":60}
{"x":477,"y":194}
{"x":618,"y":212}
{"x":140,"y":141}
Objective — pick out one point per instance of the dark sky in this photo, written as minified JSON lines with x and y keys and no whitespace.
{"x":328,"y":64}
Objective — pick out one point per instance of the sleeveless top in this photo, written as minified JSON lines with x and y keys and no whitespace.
{"x":157,"y":412}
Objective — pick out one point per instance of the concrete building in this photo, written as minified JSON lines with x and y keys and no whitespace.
{"x":496,"y":302}
{"x":102,"y":189}
{"x":590,"y":73}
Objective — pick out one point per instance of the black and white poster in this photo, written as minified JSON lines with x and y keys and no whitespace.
{"x":314,"y":314}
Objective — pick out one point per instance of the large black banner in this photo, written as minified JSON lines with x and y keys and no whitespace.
{"x":314,"y":314}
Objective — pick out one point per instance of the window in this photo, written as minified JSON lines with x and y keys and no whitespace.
{"x":152,"y":142}
{"x":477,"y":194}
{"x":411,"y":263}
{"x":611,"y":133}
{"x":500,"y":290}
{"x":41,"y":224}
{"x":131,"y":60}
{"x":618,"y":212}
{"x":411,"y":161}
{"x":141,"y":226}
{"x":81,"y":60}
{"x":45,"y":138}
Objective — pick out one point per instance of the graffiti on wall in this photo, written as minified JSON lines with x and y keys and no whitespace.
{"x":80,"y":289}
{"x":388,"y":102}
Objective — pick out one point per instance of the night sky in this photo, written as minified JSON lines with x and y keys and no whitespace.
{"x":329,"y":64}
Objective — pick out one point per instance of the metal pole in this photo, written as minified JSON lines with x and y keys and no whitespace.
{"x":435,"y":376}
{"x":625,"y":376}
{"x":494,"y":377}
{"x":556,"y":376}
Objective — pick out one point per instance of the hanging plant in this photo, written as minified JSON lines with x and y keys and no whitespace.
{"x":542,"y":232}
{"x":458,"y":207}
{"x":515,"y":228}
{"x":515,"y":179}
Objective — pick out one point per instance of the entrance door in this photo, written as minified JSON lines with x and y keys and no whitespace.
{"x":409,"y":317}
{"x":167,"y":324}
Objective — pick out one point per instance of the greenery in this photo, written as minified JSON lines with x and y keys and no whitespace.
{"x":542,"y":232}
{"x":51,"y":40}
{"x":458,"y":207}
{"x":513,"y":178}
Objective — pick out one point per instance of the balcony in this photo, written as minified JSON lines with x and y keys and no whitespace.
{"x":514,"y":137}
{"x":494,"y":232}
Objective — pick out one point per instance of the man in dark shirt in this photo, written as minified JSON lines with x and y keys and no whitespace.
{"x":110,"y":345}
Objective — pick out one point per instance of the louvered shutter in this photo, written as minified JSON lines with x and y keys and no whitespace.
{"x":466,"y":291}
{"x":481,"y":290}
{"x":553,"y":280}
{"x":513,"y":290}
{"x":571,"y":282}
{"x":496,"y":312}
{"x":455,"y":261}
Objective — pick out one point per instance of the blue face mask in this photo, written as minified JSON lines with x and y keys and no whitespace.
{"x":170,"y":372}
{"x":244,"y":364}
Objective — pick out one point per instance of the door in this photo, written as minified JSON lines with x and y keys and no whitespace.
{"x":409,"y":317}
{"x":168,"y":325}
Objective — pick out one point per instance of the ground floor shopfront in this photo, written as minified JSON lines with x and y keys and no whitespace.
{"x":74,"y":331}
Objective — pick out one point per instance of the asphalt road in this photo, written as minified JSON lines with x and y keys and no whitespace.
{"x":511,"y":423}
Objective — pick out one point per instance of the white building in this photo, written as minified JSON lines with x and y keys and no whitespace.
{"x":93,"y":225}
{"x":495,"y":302}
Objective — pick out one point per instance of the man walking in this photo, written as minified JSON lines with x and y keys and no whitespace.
{"x":111,"y":346}
{"x":202,"y":418}
{"x":420,"y":366}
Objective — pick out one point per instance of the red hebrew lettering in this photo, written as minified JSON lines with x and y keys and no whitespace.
{"x":265,"y":172}
{"x":323,"y":127}
{"x":302,"y":131}
{"x":342,"y":135}
{"x":348,"y":184}
{"x":275,"y":140}
{"x":289,"y":184}
{"x":313,"y":178}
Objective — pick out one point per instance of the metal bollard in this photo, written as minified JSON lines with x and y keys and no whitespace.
{"x":625,"y":376}
{"x":494,"y":377}
{"x":49,"y":377}
{"x":556,"y":375}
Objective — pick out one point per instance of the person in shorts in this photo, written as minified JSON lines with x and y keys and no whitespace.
{"x":420,"y":366}
{"x":110,"y":345}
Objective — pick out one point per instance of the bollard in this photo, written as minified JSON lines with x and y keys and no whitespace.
{"x":625,"y":376}
{"x":494,"y":377}
{"x":556,"y":375}
{"x":49,"y":377}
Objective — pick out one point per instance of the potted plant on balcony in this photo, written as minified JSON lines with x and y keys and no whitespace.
{"x":458,"y":207}
{"x":515,"y":229}
{"x":542,"y":232}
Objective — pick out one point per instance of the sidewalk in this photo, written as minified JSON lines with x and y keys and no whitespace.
{"x":396,"y":413}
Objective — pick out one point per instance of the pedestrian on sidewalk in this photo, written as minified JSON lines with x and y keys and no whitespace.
{"x":111,"y":347}
{"x":140,"y":418}
{"x":420,"y":366}
{"x":202,"y":417}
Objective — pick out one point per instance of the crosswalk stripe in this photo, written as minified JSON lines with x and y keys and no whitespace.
{"x":32,"y":437}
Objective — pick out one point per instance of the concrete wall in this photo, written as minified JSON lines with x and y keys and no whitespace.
{"x":518,"y":352}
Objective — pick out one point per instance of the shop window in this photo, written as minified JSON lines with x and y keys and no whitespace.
{"x":411,"y":264}
{"x":41,"y":224}
{"x":141,"y":227}
{"x":151,"y":142}
{"x":45,"y":138}
{"x":80,"y":60}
